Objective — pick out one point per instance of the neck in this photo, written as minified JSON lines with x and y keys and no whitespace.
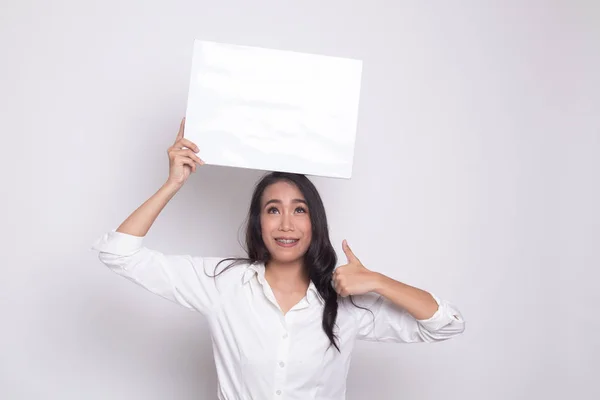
{"x":288,"y":276}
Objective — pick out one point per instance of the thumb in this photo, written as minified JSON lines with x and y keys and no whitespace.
{"x":349,"y":254}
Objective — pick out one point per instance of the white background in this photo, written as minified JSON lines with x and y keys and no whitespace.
{"x":476,"y":177}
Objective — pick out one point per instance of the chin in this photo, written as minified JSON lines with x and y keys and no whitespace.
{"x":281,"y":257}
{"x":288,"y":255}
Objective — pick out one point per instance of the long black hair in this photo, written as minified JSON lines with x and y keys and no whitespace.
{"x":320,"y":259}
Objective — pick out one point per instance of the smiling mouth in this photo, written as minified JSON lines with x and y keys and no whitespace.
{"x":287,"y":242}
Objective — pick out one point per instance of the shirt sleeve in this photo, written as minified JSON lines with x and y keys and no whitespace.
{"x":183,"y":279}
{"x":382,"y":321}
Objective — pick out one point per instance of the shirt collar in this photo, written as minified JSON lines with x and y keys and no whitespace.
{"x":313,"y":294}
{"x":255,"y":269}
{"x":258,"y":269}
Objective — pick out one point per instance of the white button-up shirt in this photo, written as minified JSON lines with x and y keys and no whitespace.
{"x":261,"y":353}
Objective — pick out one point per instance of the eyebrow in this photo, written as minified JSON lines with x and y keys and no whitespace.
{"x":277,"y":201}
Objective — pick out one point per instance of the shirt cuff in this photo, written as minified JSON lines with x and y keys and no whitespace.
{"x":442,"y":317}
{"x":118,"y":243}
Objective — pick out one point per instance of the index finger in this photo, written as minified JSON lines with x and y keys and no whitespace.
{"x":181,"y":130}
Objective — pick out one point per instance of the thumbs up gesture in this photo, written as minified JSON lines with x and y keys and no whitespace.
{"x":353,"y":278}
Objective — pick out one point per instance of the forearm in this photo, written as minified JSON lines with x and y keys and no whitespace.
{"x":419,"y":303}
{"x":140,"y":221}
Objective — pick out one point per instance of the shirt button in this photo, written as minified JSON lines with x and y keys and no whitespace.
{"x":282,"y":364}
{"x":278,"y":392}
{"x":285,"y":335}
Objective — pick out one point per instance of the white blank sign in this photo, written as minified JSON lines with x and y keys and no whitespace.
{"x":273,"y":110}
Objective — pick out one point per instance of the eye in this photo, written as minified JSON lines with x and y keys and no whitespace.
{"x":272,"y":210}
{"x":301,"y":210}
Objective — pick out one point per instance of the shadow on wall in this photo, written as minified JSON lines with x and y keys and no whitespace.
{"x":209,"y":212}
{"x":133,"y":338}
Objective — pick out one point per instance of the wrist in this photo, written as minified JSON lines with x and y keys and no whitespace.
{"x":171,"y":186}
{"x":379,"y":281}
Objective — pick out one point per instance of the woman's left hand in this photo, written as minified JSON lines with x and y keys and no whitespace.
{"x":353,"y":278}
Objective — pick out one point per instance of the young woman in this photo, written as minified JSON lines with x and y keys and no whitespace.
{"x":283,"y":320}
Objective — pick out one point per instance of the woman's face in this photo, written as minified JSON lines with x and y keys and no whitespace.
{"x":285,"y":222}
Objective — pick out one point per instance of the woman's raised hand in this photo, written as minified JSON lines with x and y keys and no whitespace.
{"x":182,"y":158}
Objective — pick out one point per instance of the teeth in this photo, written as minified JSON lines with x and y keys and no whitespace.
{"x":287,"y":241}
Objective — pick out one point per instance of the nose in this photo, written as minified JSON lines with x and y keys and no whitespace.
{"x":286,"y":223}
